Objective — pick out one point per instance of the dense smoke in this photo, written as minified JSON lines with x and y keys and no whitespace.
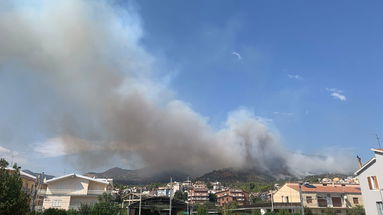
{"x":87,"y":86}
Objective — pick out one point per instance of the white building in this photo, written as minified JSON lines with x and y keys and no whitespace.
{"x":70,"y":191}
{"x":370,"y":176}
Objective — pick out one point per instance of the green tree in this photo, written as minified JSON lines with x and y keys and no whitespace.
{"x":3,"y":163}
{"x":357,"y":210}
{"x":55,"y":211}
{"x":308,"y":211}
{"x":209,"y":185}
{"x":85,"y":209}
{"x":202,"y":210}
{"x":230,"y":207}
{"x":13,"y":200}
{"x":106,"y":197}
{"x":180,"y":195}
{"x":212,"y":197}
{"x":255,"y":212}
{"x":329,"y":211}
{"x":105,"y":208}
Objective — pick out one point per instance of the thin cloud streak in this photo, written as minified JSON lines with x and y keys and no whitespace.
{"x":337,"y":94}
{"x":237,"y":54}
{"x":296,"y":77}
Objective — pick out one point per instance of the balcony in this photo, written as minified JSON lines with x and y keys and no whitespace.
{"x":73,"y":192}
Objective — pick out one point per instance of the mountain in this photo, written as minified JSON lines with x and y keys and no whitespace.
{"x":38,"y":174}
{"x":237,"y":175}
{"x":140,"y":176}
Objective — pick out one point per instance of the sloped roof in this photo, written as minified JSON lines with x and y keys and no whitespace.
{"x":377,"y":150}
{"x":100,"y":180}
{"x":370,"y":162}
{"x":319,"y":188}
{"x":365,"y":166}
{"x":22,"y":173}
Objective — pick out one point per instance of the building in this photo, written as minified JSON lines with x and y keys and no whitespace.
{"x":73,"y":190}
{"x":28,"y":180}
{"x":232,"y":195}
{"x":318,"y":197}
{"x":370,"y":176}
{"x":198,"y":194}
{"x":29,"y":186}
{"x":164,"y":191}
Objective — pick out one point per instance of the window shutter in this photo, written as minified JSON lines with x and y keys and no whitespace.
{"x":376,"y":182}
{"x":369,"y":182}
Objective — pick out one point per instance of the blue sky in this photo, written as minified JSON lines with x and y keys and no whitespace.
{"x":310,"y":69}
{"x":291,"y":52}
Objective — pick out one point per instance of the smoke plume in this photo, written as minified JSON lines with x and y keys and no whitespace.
{"x":74,"y":73}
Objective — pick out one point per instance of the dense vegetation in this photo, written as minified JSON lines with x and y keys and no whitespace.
{"x":13,"y":200}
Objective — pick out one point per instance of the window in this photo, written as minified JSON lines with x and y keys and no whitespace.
{"x":379,"y":206}
{"x":336,"y":202}
{"x":56,"y":203}
{"x":309,"y":199}
{"x":287,"y":199}
{"x":373,"y":182}
{"x":322,"y":202}
{"x":355,"y":200}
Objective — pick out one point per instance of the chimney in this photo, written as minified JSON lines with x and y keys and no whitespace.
{"x":359,"y":161}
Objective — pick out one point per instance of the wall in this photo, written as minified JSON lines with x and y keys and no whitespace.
{"x":285,"y":191}
{"x":64,"y":202}
{"x":370,"y":197}
{"x":77,"y":201}
{"x":68,"y":186}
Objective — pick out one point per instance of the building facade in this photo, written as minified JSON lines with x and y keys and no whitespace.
{"x":319,"y":197}
{"x":73,"y":190}
{"x":232,"y":195}
{"x":198,"y":194}
{"x":370,"y":176}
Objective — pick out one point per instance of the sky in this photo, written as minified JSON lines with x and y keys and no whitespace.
{"x":292,"y":53}
{"x":309,"y":70}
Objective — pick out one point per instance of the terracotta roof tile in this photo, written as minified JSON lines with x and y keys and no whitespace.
{"x":319,"y":188}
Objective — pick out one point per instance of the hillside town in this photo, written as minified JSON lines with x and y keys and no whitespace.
{"x":191,"y":107}
{"x":337,"y":195}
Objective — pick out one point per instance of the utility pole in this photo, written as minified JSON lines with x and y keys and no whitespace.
{"x":139,"y":209}
{"x":272,"y":201}
{"x":301,"y":198}
{"x":170,"y":196}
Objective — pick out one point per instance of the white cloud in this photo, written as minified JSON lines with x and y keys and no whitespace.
{"x":51,"y":148}
{"x":283,"y":113}
{"x":12,"y":156}
{"x":296,"y":77}
{"x":237,"y":54}
{"x":4,"y":150}
{"x":337,"y":94}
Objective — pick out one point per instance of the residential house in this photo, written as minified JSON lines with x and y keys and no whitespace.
{"x":318,"y":197}
{"x":164,"y":191}
{"x":28,"y":180}
{"x":370,"y":176}
{"x":198,"y":194}
{"x":29,"y":183}
{"x":73,"y":190}
{"x":232,"y":195}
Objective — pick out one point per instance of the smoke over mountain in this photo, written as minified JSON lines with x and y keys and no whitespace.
{"x":74,"y":73}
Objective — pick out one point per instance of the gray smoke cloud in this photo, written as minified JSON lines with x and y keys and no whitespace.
{"x":74,"y":72}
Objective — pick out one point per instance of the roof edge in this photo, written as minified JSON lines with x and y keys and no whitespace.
{"x":79,"y":176}
{"x":370,"y":162}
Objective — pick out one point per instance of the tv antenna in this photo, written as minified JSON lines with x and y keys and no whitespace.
{"x":377,"y":137}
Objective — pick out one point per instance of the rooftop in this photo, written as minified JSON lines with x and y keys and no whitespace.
{"x":319,"y":188}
